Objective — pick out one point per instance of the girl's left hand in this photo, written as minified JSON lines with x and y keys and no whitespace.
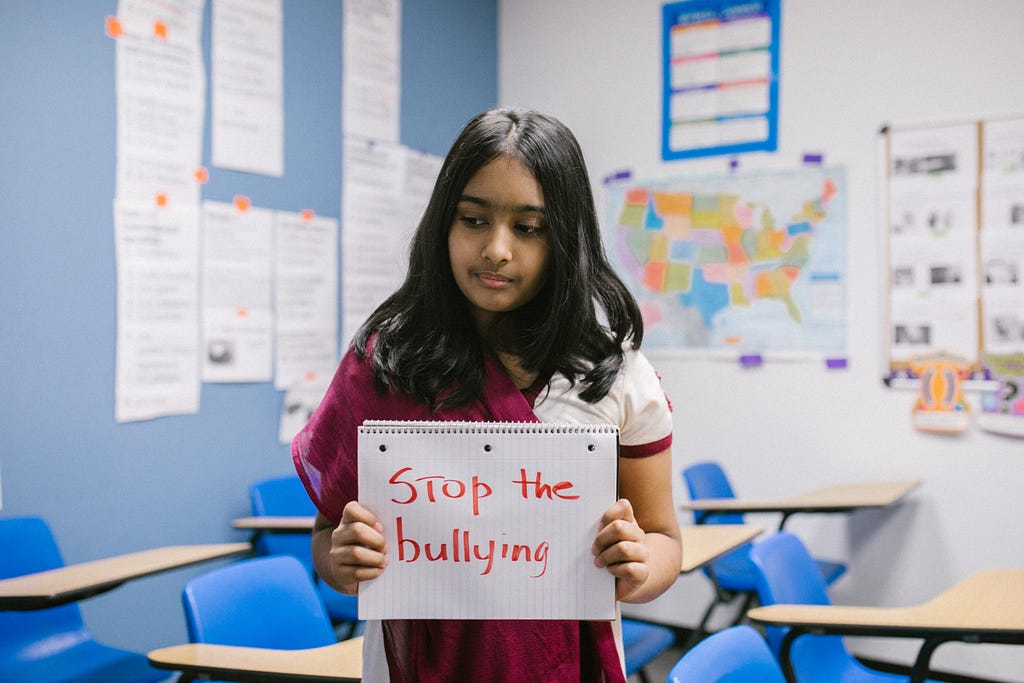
{"x":620,"y":548}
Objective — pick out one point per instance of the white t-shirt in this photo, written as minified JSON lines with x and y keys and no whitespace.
{"x":636,"y":404}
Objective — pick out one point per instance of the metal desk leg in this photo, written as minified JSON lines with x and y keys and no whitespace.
{"x":785,"y":652}
{"x":924,"y":656}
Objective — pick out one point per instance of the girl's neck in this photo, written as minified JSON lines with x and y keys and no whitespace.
{"x":522,"y":378}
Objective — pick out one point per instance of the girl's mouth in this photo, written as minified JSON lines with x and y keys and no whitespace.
{"x":493,"y":280}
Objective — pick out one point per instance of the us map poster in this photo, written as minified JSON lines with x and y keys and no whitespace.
{"x":736,"y":264}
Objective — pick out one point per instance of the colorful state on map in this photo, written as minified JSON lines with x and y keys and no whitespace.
{"x":759,"y":259}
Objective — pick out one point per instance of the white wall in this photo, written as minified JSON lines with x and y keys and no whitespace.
{"x":847,"y":68}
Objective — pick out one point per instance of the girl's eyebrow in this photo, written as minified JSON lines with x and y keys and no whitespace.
{"x":487,"y":204}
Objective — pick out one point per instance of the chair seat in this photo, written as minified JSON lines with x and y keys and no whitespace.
{"x":736,"y":655}
{"x":84,"y":662}
{"x":643,"y":642}
{"x":825,"y":658}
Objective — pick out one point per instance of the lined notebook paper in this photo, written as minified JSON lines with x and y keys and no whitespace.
{"x":488,"y":520}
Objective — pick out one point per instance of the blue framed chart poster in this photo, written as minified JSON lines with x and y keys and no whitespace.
{"x":720,"y":77}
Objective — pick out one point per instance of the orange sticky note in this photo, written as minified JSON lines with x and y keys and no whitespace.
{"x":160,"y":29}
{"x":308,"y":215}
{"x":242,"y":203}
{"x":113,"y":27}
{"x":161,"y":199}
{"x":202,"y":175}
{"x":829,"y":191}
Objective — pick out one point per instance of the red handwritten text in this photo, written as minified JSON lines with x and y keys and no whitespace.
{"x":543,"y":490}
{"x":436,"y":486}
{"x":462,"y":549}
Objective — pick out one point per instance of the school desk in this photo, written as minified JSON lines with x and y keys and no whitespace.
{"x":826,"y":499}
{"x":340,"y":662}
{"x":83,"y":580}
{"x":704,"y":543}
{"x":987,"y":607}
{"x":701,"y":544}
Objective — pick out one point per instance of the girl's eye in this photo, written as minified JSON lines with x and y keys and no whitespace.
{"x":472,"y":221}
{"x":529,"y":229}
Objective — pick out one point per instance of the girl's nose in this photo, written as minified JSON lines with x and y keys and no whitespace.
{"x":498,"y":246}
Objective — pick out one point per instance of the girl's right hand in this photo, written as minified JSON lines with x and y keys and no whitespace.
{"x":358,"y":551}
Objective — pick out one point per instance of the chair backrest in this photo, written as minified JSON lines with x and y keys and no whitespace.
{"x":260,"y":602}
{"x":786,"y":573}
{"x":286,"y":496}
{"x":708,"y":480}
{"x":282,"y":496}
{"x":27,"y":545}
{"x":734,"y":655}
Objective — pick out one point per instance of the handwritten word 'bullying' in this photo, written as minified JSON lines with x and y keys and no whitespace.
{"x":463,"y":550}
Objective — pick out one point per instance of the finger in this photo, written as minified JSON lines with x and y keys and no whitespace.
{"x":621,"y":509}
{"x":359,"y":556}
{"x":622,"y":552}
{"x":617,"y":532}
{"x":355,"y":512}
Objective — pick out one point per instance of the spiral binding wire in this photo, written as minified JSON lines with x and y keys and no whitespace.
{"x":433,"y":427}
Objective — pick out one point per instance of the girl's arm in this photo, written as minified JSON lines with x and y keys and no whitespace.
{"x":353,"y":551}
{"x":639,"y":540}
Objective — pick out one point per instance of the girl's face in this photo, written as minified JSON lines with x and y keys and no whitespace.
{"x":499,"y":244}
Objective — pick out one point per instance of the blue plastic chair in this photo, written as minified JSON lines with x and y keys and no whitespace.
{"x":286,"y":496}
{"x":734,"y":655}
{"x":642,"y":643}
{"x":53,"y":645}
{"x":265,"y":602}
{"x":786,"y":573}
{"x":732,"y":574}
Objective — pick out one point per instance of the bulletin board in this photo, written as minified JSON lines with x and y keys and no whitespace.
{"x":955,"y":228}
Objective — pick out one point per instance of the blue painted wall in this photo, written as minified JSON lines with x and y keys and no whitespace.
{"x":108,"y":488}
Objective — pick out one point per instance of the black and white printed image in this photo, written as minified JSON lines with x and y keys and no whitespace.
{"x":1006,"y":329}
{"x":948,"y":274}
{"x":220,"y":351}
{"x":928,"y":164}
{"x":903,"y":276}
{"x":1001,"y":272}
{"x":913,"y":335}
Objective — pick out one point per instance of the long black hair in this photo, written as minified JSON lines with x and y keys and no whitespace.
{"x":425,"y":343}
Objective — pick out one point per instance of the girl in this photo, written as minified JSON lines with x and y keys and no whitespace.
{"x":509,"y":313}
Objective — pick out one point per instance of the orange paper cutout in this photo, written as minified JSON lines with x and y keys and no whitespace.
{"x":242,"y":312}
{"x":308,"y":215}
{"x":202,"y":175}
{"x":161,"y":199}
{"x":310,"y":376}
{"x":113,"y":27}
{"x":242,"y":203}
{"x":160,"y":29}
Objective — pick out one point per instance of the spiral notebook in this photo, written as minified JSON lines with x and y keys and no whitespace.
{"x":488,"y":520}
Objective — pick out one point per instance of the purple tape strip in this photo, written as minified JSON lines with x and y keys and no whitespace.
{"x":835,"y":363}
{"x":813,"y":159}
{"x":734,"y":164}
{"x":617,"y":176}
{"x":750,"y":360}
